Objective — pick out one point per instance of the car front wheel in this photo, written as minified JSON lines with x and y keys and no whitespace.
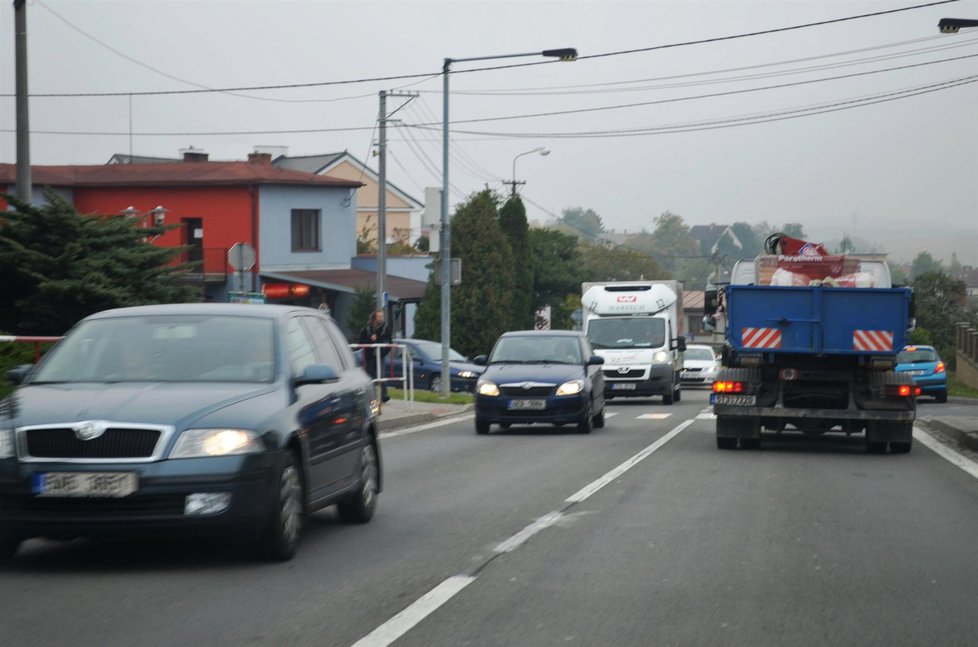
{"x":280,"y":539}
{"x":360,"y":507}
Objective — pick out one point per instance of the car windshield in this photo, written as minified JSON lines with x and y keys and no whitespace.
{"x":627,"y":332}
{"x":164,"y":348}
{"x":917,"y":356}
{"x":536,"y":349}
{"x":699,"y":354}
{"x":432,"y":350}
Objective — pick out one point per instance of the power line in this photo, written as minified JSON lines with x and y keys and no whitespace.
{"x":204,"y":90}
{"x":712,"y":125}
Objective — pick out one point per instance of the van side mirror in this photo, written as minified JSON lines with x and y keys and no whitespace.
{"x":710,"y":301}
{"x":680,"y":344}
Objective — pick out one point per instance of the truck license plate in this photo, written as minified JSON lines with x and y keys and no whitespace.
{"x":622,"y":386}
{"x":85,"y":484}
{"x":736,"y":400}
{"x":533,"y":405}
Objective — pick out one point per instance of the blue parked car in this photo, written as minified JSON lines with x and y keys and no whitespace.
{"x":426,"y":360}
{"x":928,"y":371}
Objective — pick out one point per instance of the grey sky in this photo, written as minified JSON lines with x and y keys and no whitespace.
{"x":901,"y":174}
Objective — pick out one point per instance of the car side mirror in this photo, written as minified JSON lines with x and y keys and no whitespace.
{"x":481,"y":360}
{"x":595,"y":360}
{"x":18,"y":374}
{"x":317,"y":374}
{"x":709,"y":325}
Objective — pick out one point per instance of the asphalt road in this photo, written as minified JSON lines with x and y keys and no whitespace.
{"x":642,"y":533}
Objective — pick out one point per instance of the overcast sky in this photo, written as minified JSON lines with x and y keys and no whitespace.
{"x":889,"y":156}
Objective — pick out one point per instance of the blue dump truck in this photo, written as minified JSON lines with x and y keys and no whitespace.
{"x":810,"y":345}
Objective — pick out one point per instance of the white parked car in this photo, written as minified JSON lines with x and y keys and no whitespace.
{"x":700,"y":365}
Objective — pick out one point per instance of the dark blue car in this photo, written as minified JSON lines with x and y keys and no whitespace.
{"x":426,"y":364}
{"x":534,"y":376}
{"x":924,"y":365}
{"x":195,"y":419}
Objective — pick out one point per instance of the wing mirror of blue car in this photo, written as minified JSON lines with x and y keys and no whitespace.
{"x":595,"y":360}
{"x":481,"y":360}
{"x":317,"y":374}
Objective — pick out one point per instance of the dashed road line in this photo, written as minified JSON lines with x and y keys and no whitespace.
{"x":653,"y":416}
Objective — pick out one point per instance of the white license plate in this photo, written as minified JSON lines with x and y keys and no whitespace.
{"x":737,"y":400}
{"x":85,"y":484}
{"x":917,"y":372}
{"x":534,"y":405}
{"x":622,"y":386}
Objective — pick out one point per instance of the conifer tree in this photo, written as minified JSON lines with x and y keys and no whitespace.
{"x":512,"y":221}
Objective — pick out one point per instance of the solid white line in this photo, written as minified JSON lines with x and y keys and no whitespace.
{"x":513,"y":542}
{"x":424,"y":427}
{"x":588,"y":490}
{"x":946,"y":452}
{"x":653,"y":416}
{"x":424,"y":606}
{"x":611,"y":415}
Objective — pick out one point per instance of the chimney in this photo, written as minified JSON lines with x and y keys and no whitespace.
{"x":193,"y":154}
{"x":260,"y":158}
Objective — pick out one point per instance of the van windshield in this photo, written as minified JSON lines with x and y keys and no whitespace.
{"x":627,"y":332}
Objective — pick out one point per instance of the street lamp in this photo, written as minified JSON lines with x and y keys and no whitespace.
{"x":543,"y":151}
{"x":564,"y":54}
{"x":952,"y":25}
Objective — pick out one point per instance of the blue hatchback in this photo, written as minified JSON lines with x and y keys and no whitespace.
{"x":928,"y":371}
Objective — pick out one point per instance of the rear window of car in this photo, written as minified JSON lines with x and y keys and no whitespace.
{"x":699,"y":353}
{"x":917,"y":356}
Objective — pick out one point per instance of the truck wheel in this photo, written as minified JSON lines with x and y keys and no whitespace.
{"x":901,"y":448}
{"x":726,"y":443}
{"x":875,"y":446}
{"x":750,"y":443}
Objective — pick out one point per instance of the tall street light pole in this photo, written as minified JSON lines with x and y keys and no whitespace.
{"x":543,"y":151}
{"x":23,"y":126}
{"x":565,"y":54}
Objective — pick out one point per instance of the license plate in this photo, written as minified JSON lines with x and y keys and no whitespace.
{"x":736,"y":400}
{"x":534,"y":405}
{"x":622,"y":386}
{"x":85,"y":484}
{"x":917,"y":372}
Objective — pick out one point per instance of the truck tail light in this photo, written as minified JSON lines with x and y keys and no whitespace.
{"x":902,"y":390}
{"x":728,"y":387}
{"x":939,"y":368}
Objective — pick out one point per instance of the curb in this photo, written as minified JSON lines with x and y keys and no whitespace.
{"x":415,"y":419}
{"x":968,"y":439}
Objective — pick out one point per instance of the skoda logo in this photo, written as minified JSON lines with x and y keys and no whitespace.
{"x":89,"y":430}
{"x":527,"y":386}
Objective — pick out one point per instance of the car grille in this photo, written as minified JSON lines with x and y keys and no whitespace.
{"x":533,"y":391}
{"x":693,"y":370}
{"x":67,"y":508}
{"x":116,"y":442}
{"x":631,"y":374}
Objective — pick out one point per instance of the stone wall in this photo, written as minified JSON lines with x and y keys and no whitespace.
{"x":966,"y":343}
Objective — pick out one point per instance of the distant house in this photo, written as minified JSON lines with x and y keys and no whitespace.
{"x":712,"y":237}
{"x":302,"y":226}
{"x":403,"y":212}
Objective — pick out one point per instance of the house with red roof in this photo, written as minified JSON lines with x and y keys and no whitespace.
{"x":301,"y":225}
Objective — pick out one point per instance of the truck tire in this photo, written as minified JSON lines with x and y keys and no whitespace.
{"x":901,"y":447}
{"x":726,"y":443}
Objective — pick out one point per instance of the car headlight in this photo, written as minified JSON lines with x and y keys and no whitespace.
{"x":661,"y":357}
{"x":485,"y":387}
{"x":6,"y":443}
{"x":466,"y":374}
{"x":571,"y":388}
{"x":197,"y":443}
{"x":710,"y":369}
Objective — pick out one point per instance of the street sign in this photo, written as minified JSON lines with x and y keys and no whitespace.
{"x":456,"y":272}
{"x":241,"y":256}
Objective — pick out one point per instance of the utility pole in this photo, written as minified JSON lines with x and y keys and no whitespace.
{"x":24,"y":191}
{"x":382,"y":192}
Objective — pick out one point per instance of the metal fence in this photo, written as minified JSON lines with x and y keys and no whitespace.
{"x":384,"y":367}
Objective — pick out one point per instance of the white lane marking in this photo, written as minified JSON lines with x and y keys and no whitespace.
{"x":588,"y":490}
{"x":946,"y":452}
{"x":513,"y":542}
{"x":611,"y":414}
{"x":424,"y":427}
{"x":424,"y":606}
{"x":706,"y":415}
{"x":653,"y":416}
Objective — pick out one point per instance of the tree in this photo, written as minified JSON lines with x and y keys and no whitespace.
{"x":600,"y":262}
{"x":58,"y":266}
{"x":512,"y":221}
{"x":752,"y":244}
{"x":846,"y":245}
{"x":363,"y":305}
{"x":584,"y":222}
{"x":924,"y":263}
{"x":556,"y":273}
{"x":939,"y":301}
{"x":794,"y":229}
{"x":482,"y":304}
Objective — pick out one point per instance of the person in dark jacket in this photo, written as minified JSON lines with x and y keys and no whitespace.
{"x":375,"y":332}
